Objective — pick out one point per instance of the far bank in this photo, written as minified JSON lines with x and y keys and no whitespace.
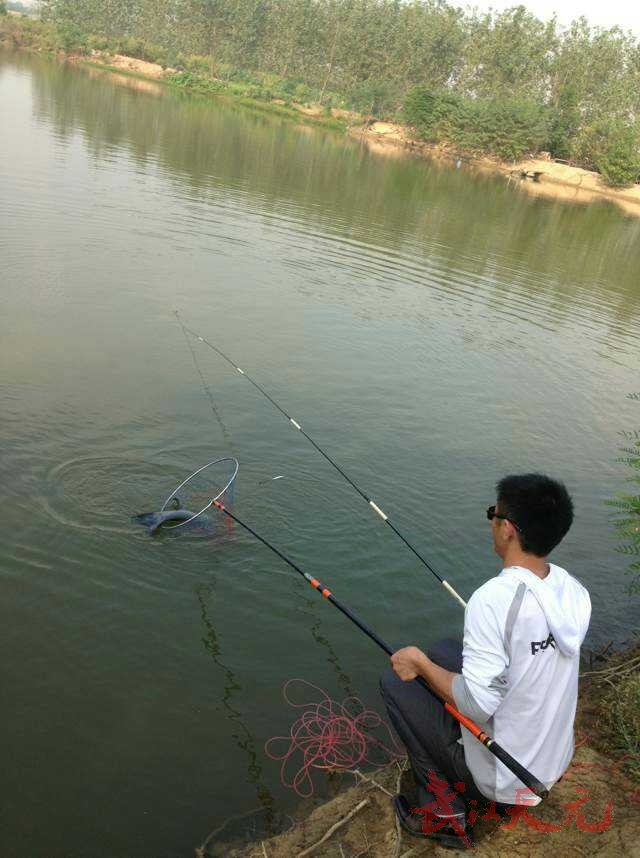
{"x":537,"y":174}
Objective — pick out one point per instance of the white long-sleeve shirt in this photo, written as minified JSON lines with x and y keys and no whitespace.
{"x":519,"y":681}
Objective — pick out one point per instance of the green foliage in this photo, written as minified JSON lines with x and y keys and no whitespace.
{"x":3,"y":7}
{"x":564,"y":123}
{"x":72,"y":39}
{"x":512,"y":128}
{"x":375,"y":98}
{"x":508,"y":128}
{"x":628,"y":510}
{"x":612,"y":148}
{"x":30,"y":32}
{"x":433,"y":114}
{"x":197,"y":64}
{"x":197,"y":83}
{"x":621,"y":711}
{"x":619,"y":162}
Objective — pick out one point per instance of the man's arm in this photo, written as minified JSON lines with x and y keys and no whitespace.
{"x":479,"y":689}
{"x":410,"y":662}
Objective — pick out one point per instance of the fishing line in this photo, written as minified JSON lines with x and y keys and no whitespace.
{"x":329,"y":735}
{"x":205,"y":386}
{"x":374,"y":506}
{"x":529,"y":780}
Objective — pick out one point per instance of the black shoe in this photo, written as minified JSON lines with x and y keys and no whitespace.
{"x":453,"y":833}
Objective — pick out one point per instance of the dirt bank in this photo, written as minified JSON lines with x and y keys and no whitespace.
{"x":559,"y":181}
{"x":131,"y":65}
{"x":593,"y":810}
{"x":371,"y":828}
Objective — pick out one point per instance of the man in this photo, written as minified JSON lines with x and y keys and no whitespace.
{"x":516,"y":675}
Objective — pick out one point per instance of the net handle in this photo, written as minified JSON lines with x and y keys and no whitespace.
{"x":236,"y":465}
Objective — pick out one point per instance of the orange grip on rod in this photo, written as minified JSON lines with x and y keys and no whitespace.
{"x":471,"y":726}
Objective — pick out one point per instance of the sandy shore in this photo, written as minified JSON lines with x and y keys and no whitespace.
{"x":130,"y":65}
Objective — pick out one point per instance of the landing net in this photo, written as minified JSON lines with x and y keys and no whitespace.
{"x":201,"y":489}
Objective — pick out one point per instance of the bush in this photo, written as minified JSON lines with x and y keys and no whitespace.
{"x":507,"y":128}
{"x":98,"y":43}
{"x":289,"y":85}
{"x":433,"y":114}
{"x":233,"y":73}
{"x":619,"y":162}
{"x":565,"y":123}
{"x":375,"y":98}
{"x":197,"y":83}
{"x":510,"y":129}
{"x":198,"y":64}
{"x":611,"y":149}
{"x":72,"y":39}
{"x":621,"y":711}
{"x":587,"y":146}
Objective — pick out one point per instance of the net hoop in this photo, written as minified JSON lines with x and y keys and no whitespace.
{"x":236,"y":466}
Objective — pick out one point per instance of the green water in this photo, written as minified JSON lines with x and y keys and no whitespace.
{"x":431,"y":329}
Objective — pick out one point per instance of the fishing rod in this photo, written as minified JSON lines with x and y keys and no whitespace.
{"x":374,"y":506}
{"x":497,"y":750}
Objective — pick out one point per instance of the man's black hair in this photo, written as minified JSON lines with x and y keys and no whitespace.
{"x":540,"y":507}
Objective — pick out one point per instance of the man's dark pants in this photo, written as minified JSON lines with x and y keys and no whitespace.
{"x":428,"y":732}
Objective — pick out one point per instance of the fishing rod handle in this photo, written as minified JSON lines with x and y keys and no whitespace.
{"x":518,"y":770}
{"x":529,"y":780}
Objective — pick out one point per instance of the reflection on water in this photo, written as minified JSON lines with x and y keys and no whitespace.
{"x":458,"y":218}
{"x":205,"y":387}
{"x":342,"y":679}
{"x":267,"y":821}
{"x":148,"y":87}
{"x":242,"y":735}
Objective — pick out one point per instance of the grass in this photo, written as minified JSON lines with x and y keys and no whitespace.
{"x":616,"y":690}
{"x":621,"y":720}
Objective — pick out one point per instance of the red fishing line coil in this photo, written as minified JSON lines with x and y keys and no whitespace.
{"x":330,"y":735}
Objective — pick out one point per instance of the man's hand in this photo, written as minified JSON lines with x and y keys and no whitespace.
{"x":408,"y":662}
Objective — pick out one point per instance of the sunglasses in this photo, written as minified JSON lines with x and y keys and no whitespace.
{"x":491,"y":514}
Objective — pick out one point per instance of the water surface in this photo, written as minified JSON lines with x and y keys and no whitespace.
{"x":432,"y":329}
